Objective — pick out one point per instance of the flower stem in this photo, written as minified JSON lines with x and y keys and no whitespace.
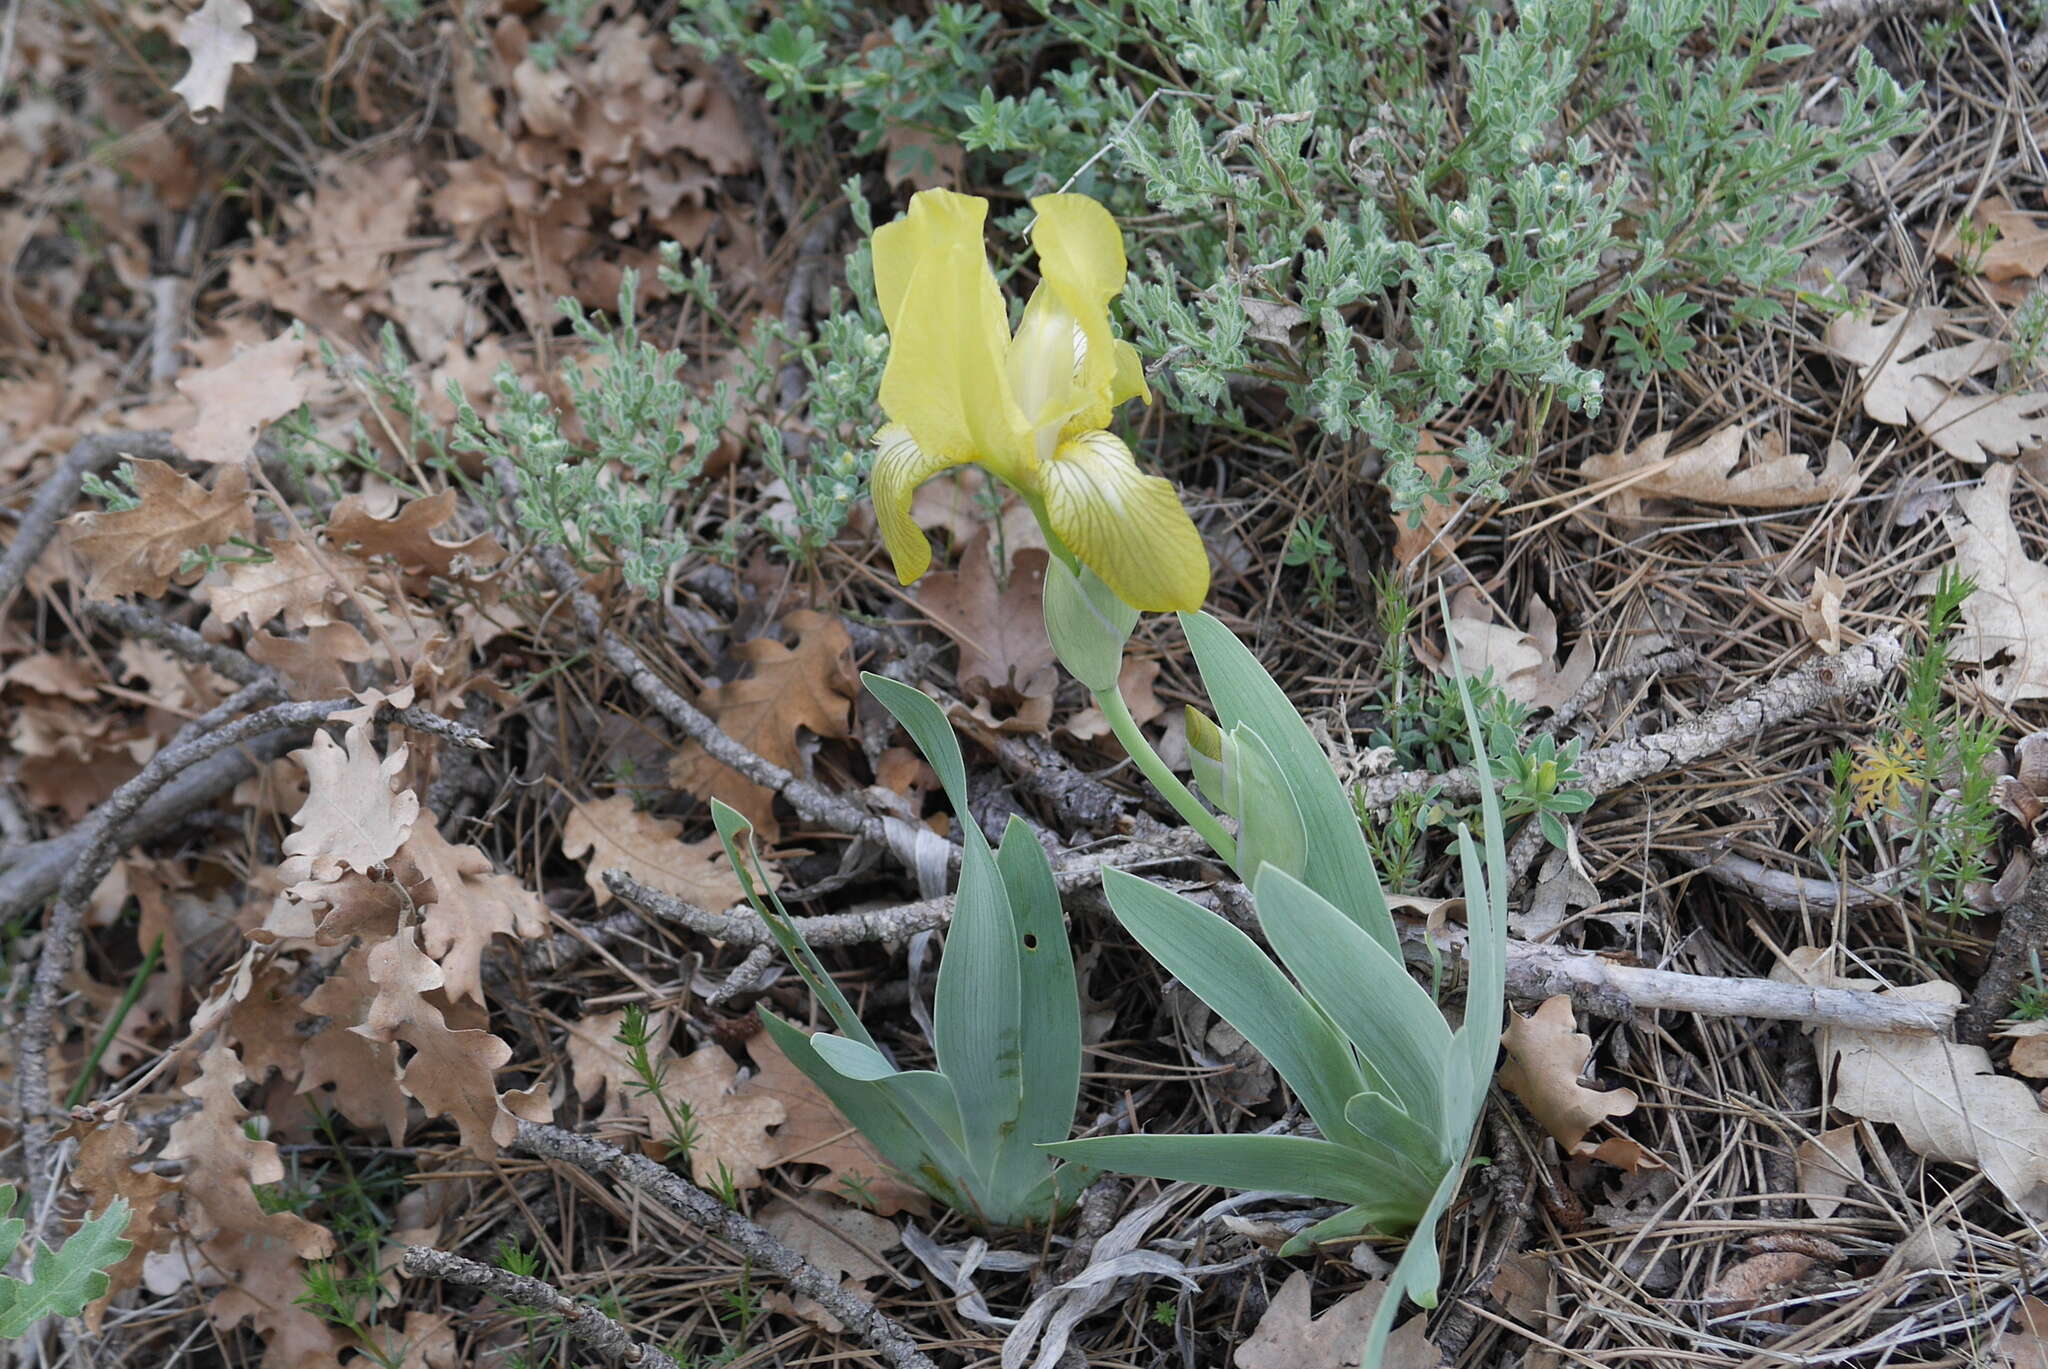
{"x":1111,"y":702}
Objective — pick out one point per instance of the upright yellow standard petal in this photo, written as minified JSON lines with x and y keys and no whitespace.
{"x":1081,"y":262}
{"x":900,"y":467}
{"x":1126,"y":526}
{"x":948,"y":333}
{"x":945,"y":378}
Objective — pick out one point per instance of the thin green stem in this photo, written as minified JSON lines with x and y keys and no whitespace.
{"x":120,"y":1015}
{"x":1113,"y":707}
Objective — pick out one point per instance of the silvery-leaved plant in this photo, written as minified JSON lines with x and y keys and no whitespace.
{"x":1006,"y":1017}
{"x":1393,"y":1091}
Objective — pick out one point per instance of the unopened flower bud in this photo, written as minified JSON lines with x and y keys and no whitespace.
{"x":1088,"y":625}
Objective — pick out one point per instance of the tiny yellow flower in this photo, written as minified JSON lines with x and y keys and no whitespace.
{"x":1029,"y":409}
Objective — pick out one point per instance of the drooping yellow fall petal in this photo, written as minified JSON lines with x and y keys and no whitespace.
{"x":1126,"y":526}
{"x":948,"y":334}
{"x":1081,"y":264}
{"x":900,"y":467}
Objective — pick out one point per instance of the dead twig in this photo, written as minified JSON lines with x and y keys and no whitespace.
{"x":700,"y":1209}
{"x":134,"y":620}
{"x":1783,"y":890}
{"x":1536,"y":972}
{"x":583,"y":1323}
{"x":33,"y":872}
{"x":59,"y":488}
{"x":211,"y":733}
{"x":743,"y":927}
{"x":1666,"y":662}
{"x":1608,"y":768}
{"x":137,"y":621}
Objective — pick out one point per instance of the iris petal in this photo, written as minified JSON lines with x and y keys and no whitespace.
{"x":1081,"y":262}
{"x":1126,"y":526}
{"x":948,"y":333}
{"x":900,"y":467}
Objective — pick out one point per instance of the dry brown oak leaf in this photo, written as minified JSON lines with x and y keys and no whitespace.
{"x":217,"y":36}
{"x":809,"y":686}
{"x":352,"y":818}
{"x":105,"y":1170}
{"x":1757,"y":1279}
{"x":296,"y":581}
{"x":314,"y":664}
{"x":612,"y":834}
{"x":1903,"y":385}
{"x":814,"y":1132}
{"x":423,"y":1340}
{"x":2020,"y":249}
{"x":2006,"y":619}
{"x":1546,"y":1056}
{"x":1523,"y":663}
{"x":730,"y":1122}
{"x":235,"y":400}
{"x":1829,"y":1165}
{"x":1946,"y":1100}
{"x":452,"y":1071}
{"x":468,"y":904}
{"x":361,"y":1072}
{"x":999,"y":628}
{"x":2023,"y":1344}
{"x":138,"y":550}
{"x":407,"y":536}
{"x":268,"y":1294}
{"x":224,"y":1166}
{"x":1706,"y":473}
{"x":1287,"y":1337}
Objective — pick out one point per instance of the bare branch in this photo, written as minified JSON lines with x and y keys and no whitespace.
{"x":1607,"y":768}
{"x":743,"y":927}
{"x":584,"y":1324}
{"x":216,"y":731}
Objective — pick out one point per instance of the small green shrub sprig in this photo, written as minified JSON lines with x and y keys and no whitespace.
{"x":1323,"y":211}
{"x":1918,"y":796}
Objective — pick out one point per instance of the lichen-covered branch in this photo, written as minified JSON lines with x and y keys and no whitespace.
{"x":582,"y":1323}
{"x":743,"y":927}
{"x":1607,"y":768}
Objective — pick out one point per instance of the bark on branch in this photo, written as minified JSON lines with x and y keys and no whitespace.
{"x":1607,"y":768}
{"x":583,"y":1323}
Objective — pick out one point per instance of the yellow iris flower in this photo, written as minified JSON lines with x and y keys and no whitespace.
{"x":1029,"y":409}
